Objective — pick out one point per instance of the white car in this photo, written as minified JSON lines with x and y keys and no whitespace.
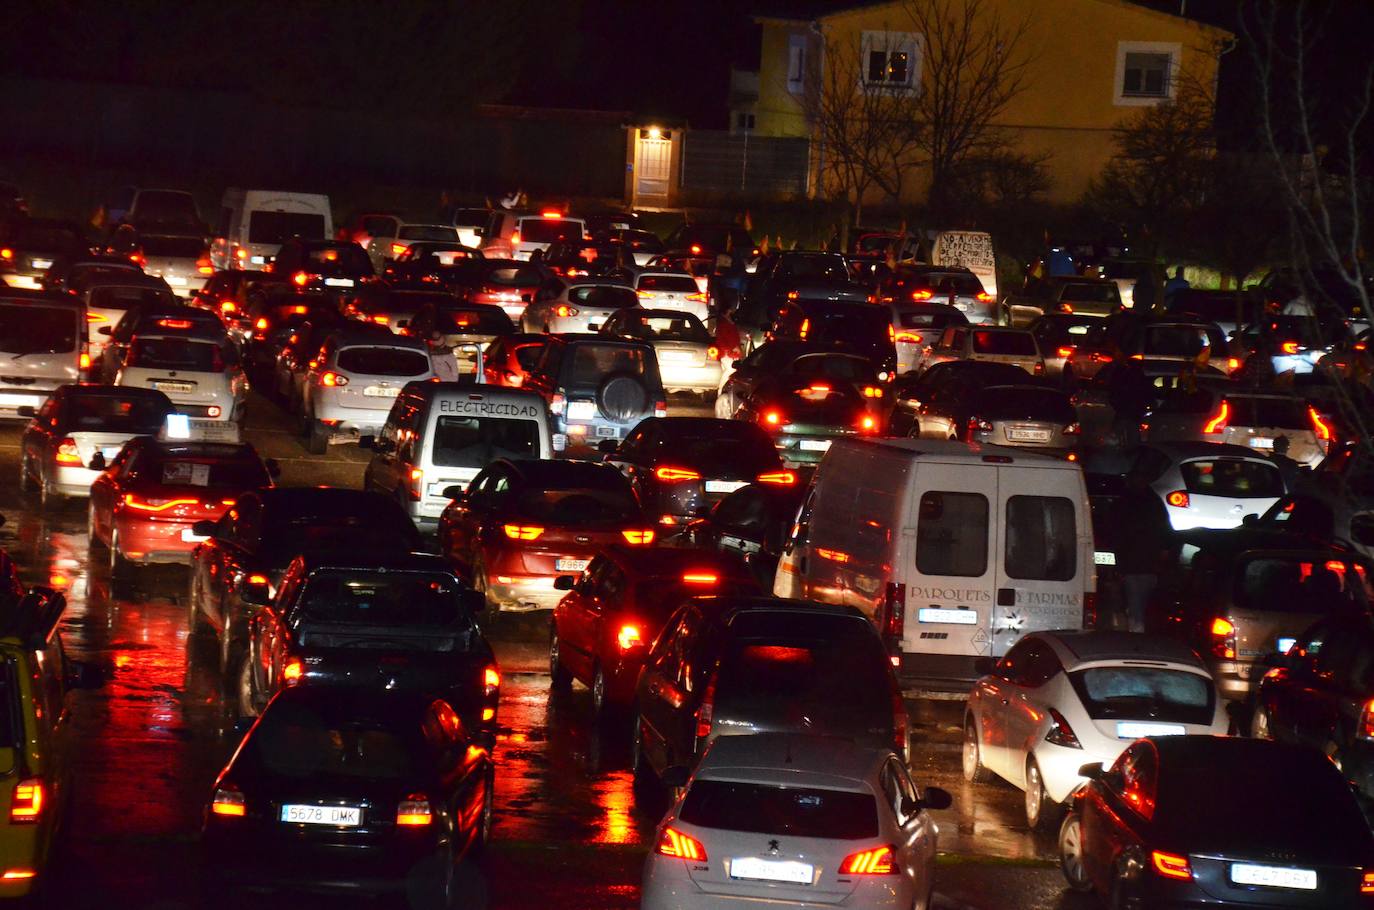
{"x":688,"y":359}
{"x":579,"y":306}
{"x":794,"y":821}
{"x":672,"y":291}
{"x":1208,"y":484}
{"x":384,"y":247}
{"x":1216,"y":412}
{"x":352,"y":383}
{"x":181,"y":261}
{"x":1060,"y":700}
{"x":201,"y":374}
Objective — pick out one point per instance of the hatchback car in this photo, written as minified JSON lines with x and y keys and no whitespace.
{"x":795,"y":821}
{"x":812,"y":361}
{"x":804,"y":416}
{"x":863,"y":329}
{"x":752,"y":524}
{"x":383,"y":247}
{"x":1058,"y":700}
{"x":200,"y":373}
{"x":180,"y":259}
{"x":326,"y":265}
{"x":953,"y":287}
{"x":149,"y":317}
{"x":1178,"y":821}
{"x":447,"y":266}
{"x":1217,"y":412}
{"x":30,"y":246}
{"x":42,"y":347}
{"x":507,"y":283}
{"x":688,"y":359}
{"x":576,"y":305}
{"x":508,"y":359}
{"x":392,"y":306}
{"x":108,"y":301}
{"x":671,"y":291}
{"x":989,"y":344}
{"x":1209,"y":485}
{"x":916,"y":325}
{"x":355,"y":379}
{"x":914,"y":394}
{"x":597,"y":387}
{"x":1022,"y":416}
{"x":467,"y":329}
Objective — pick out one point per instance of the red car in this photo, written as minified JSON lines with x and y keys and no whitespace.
{"x":144,"y":504}
{"x":615,"y":609}
{"x":509,"y":359}
{"x":521,"y":524}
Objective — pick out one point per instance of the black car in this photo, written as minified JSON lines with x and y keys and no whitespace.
{"x":860,"y":328}
{"x":912,"y":393}
{"x":354,"y":618}
{"x":588,"y":259}
{"x":329,"y":265}
{"x":238,"y":567}
{"x":741,"y":665}
{"x":275,"y":311}
{"x":30,"y":246}
{"x":434,"y":262}
{"x":1020,"y":414}
{"x":805,"y":414}
{"x":803,"y":275}
{"x":680,"y":466}
{"x":1213,"y":821}
{"x":754,"y":523}
{"x":392,"y":304}
{"x":814,"y":362}
{"x":351,"y":790}
{"x":712,"y":240}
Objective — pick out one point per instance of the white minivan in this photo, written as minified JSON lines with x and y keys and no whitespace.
{"x":440,"y":435}
{"x":253,"y":224}
{"x":955,"y":551}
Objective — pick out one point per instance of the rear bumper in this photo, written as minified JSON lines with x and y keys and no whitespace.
{"x":704,"y":378}
{"x":360,"y":869}
{"x":144,"y":541}
{"x":73,"y":481}
{"x":15,"y":397}
{"x":358,"y":421}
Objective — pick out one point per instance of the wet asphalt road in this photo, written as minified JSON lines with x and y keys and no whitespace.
{"x":569,"y":832}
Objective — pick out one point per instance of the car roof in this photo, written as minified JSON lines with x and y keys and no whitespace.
{"x":727,"y":608}
{"x":294,"y":497}
{"x":1092,"y":645}
{"x":372,"y":561}
{"x":1180,"y":451}
{"x":776,"y":756}
{"x":96,"y":389}
{"x":431,"y":390}
{"x":646,"y":312}
{"x":391,"y":708}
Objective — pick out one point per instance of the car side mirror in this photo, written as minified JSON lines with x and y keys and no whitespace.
{"x":984,"y":666}
{"x":104,"y":330}
{"x":456,"y":493}
{"x":253,"y":593}
{"x":1092,"y":771}
{"x":26,"y":410}
{"x":1250,"y":520}
{"x":97,"y":462}
{"x":273,"y":468}
{"x":83,"y":674}
{"x":473,"y":601}
{"x":933,"y":798}
{"x":675,"y":777}
{"x":565,"y":582}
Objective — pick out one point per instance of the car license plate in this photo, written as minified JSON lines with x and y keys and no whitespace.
{"x":257,"y":260}
{"x":109,"y":454}
{"x":723,"y":486}
{"x":772,"y":870}
{"x":1134,"y":729}
{"x":189,"y":537}
{"x":1286,"y":644}
{"x":174,"y":280}
{"x":338,"y":282}
{"x":675,"y":356}
{"x":815,"y":445}
{"x":18,"y":400}
{"x":338,"y":816}
{"x":1104,"y":558}
{"x":42,"y":263}
{"x":378,"y":391}
{"x":163,"y":385}
{"x":570,"y":565}
{"x":581,"y":410}
{"x":954,"y":617}
{"x":1261,"y":442}
{"x":1023,"y":435}
{"x":1274,"y":876}
{"x":607,"y":432}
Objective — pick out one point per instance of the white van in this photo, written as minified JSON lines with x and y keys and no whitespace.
{"x":253,"y":224}
{"x":971,"y":249}
{"x":442,"y":434}
{"x":955,"y":551}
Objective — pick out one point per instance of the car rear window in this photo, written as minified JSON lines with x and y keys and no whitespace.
{"x":952,"y":534}
{"x":1145,"y":693}
{"x":29,"y":329}
{"x":591,"y":363}
{"x":578,"y":508}
{"x":944,"y":283}
{"x":1011,"y":403}
{"x":175,"y":354}
{"x":122,"y":298}
{"x":549,"y":230}
{"x":428,"y":232}
{"x":140,"y":415}
{"x":834,"y":366}
{"x":681,"y":284}
{"x":297,"y":743}
{"x":235,"y":474}
{"x":348,"y":259}
{"x":733,"y":447}
{"x":1213,"y":306}
{"x":1018,"y":344}
{"x":814,"y":268}
{"x":359,"y":529}
{"x":474,"y":442}
{"x":173,"y":247}
{"x":1291,"y":584}
{"x":279,"y":227}
{"x":514,"y":276}
{"x":789,"y":811}
{"x":473,"y":322}
{"x":382,"y":361}
{"x":602,"y":296}
{"x":363,"y":598}
{"x":677,"y":327}
{"x":1174,"y":340}
{"x":859,"y":324}
{"x":1238,"y":478}
{"x":1282,"y":413}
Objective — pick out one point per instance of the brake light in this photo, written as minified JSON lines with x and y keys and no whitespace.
{"x":174,"y":323}
{"x":293,"y":671}
{"x":695,"y":248}
{"x":515,"y":238}
{"x":1179,"y":499}
{"x":700,"y":578}
{"x":638,"y":537}
{"x":6,"y":253}
{"x":1171,"y":865}
{"x":923,"y":294}
{"x":256,"y":579}
{"x":1218,"y":422}
{"x":491,"y":681}
{"x":565,"y":310}
{"x":805,"y":327}
{"x":1060,"y":733}
{"x":984,"y":297}
{"x":772,"y":418}
{"x":629,"y":637}
{"x":1065,"y":352}
{"x":979,"y":424}
{"x":333,"y":379}
{"x":523,"y":532}
{"x":67,"y":453}
{"x":1319,"y":425}
{"x":1224,"y":638}
{"x":644,"y":295}
{"x":261,"y":324}
{"x":300,"y":279}
{"x":713,"y":353}
{"x":381,"y":319}
{"x":205,"y":266}
{"x":84,"y":362}
{"x":660,"y":409}
{"x":417,"y":483}
{"x":1367,"y":883}
{"x":397,"y":249}
{"x":697,"y":297}
{"x":1232,"y":364}
{"x":867,"y":424}
{"x":1366,"y":725}
{"x":781,"y":478}
{"x":228,"y":306}
{"x":26,"y":805}
{"x":414,"y":811}
{"x":878,"y":861}
{"x":557,"y":403}
{"x":155,"y":505}
{"x":818,"y":387}
{"x":240,"y":253}
{"x":676,"y":475}
{"x":891,"y":333}
{"x":909,"y":338}
{"x":228,"y":801}
{"x":94,"y":317}
{"x":683,"y":846}
{"x":1289,"y":347}
{"x":706,"y":712}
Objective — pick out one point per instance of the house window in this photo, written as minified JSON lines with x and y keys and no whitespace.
{"x":796,"y":64}
{"x":1145,"y":72}
{"x":744,"y":121}
{"x":891,"y":60}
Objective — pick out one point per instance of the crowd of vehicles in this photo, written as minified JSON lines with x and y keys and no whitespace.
{"x":894,"y":489}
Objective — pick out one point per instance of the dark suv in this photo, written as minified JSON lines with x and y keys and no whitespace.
{"x":331,"y":265}
{"x":597,"y":388}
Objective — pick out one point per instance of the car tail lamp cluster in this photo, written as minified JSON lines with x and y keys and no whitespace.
{"x":867,"y":424}
{"x":1319,"y":426}
{"x":872,"y":391}
{"x":1065,"y":352}
{"x":228,"y":800}
{"x":67,"y":452}
{"x":1219,"y":420}
{"x":1073,"y":429}
{"x":333,"y":380}
{"x":414,"y":811}
{"x":1289,"y":347}
{"x":204,"y":266}
{"x":133,"y":501}
{"x":979,"y":424}
{"x":1179,"y":499}
{"x":523,"y":532}
{"x":1365,"y":730}
{"x":984,"y":297}
{"x":772,"y":418}
{"x":1060,"y":733}
{"x":293,"y":671}
{"x":26,"y":805}
{"x":878,"y":861}
{"x":638,"y":538}
{"x":660,"y":408}
{"x":563,"y":310}
{"x":922,"y":294}
{"x":706,"y":713}
{"x":700,"y":578}
{"x":1171,"y":865}
{"x":1367,"y":883}
{"x":300,"y":279}
{"x":713,"y":353}
{"x":908,"y":338}
{"x":676,"y":475}
{"x":1223,"y":638}
{"x":629,"y":637}
{"x":682,"y":846}
{"x":397,"y":249}
{"x":697,"y":297}
{"x":777,"y":478}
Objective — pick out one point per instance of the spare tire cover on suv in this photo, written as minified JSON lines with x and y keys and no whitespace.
{"x":622,"y":397}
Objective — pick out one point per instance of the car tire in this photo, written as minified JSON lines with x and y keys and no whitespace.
{"x":26,"y":484}
{"x":119,"y":566}
{"x":1121,"y":896}
{"x":195,"y":620}
{"x":245,"y":692}
{"x":1071,"y":854}
{"x":1041,"y":811}
{"x":975,"y":772}
{"x":93,"y":540}
{"x":317,"y":438}
{"x":482,"y":838}
{"x":602,"y":705}
{"x":48,"y":497}
{"x":1259,"y":724}
{"x":560,"y":680}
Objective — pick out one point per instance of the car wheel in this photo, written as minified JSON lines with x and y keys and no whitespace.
{"x":601,"y":703}
{"x":1259,"y":724}
{"x":26,"y":484}
{"x":644,"y":775}
{"x":119,"y":566}
{"x":1121,"y":897}
{"x":317,"y":442}
{"x":1040,"y":809}
{"x":975,"y":771}
{"x":560,"y":680}
{"x":92,"y":537}
{"x":48,"y":497}
{"x":483,"y":837}
{"x":1071,"y":854}
{"x":245,"y":689}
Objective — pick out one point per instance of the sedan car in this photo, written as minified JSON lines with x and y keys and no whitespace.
{"x":521,"y":524}
{"x":916,"y":325}
{"x":680,"y":466}
{"x":953,"y":380}
{"x":613,"y":611}
{"x":858,"y":328}
{"x":804,"y":415}
{"x":688,"y":359}
{"x":58,"y":448}
{"x":351,"y":791}
{"x":795,"y":821}
{"x":1178,"y":822}
{"x":1209,"y":485}
{"x":1058,"y":700}
{"x":577,"y":305}
{"x":1019,"y":415}
{"x":954,"y":287}
{"x":30,"y":246}
{"x":331,"y":266}
{"x":466,"y":329}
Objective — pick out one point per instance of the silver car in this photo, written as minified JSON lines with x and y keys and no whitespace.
{"x":354,"y":381}
{"x":1221,"y":412}
{"x":581,"y":305}
{"x":992,"y":344}
{"x":181,"y":261}
{"x":671,"y":291}
{"x":688,"y":360}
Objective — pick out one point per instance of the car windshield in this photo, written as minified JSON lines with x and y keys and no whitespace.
{"x":29,"y":329}
{"x":175,"y":354}
{"x":1090,"y":293}
{"x":603,"y":296}
{"x":173,"y":247}
{"x":1016,"y":344}
{"x":383,"y":361}
{"x":678,"y":284}
{"x":109,"y":297}
{"x":427,"y":232}
{"x":784,"y":811}
{"x":1291,"y":584}
{"x":591,"y":363}
{"x":278,"y":227}
{"x":234,"y":473}
{"x":295,"y":742}
{"x":365,"y":598}
{"x":668,"y":327}
{"x":1235,"y":478}
{"x":1260,"y":411}
{"x":474,"y":442}
{"x":140,"y":415}
{"x":578,"y":508}
{"x":1145,"y":694}
{"x":833,"y":366}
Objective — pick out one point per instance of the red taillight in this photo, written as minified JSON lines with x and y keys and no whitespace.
{"x":523,"y":532}
{"x":676,"y":475}
{"x":867,"y":424}
{"x":706,"y":713}
{"x":1367,"y":883}
{"x":293,"y":671}
{"x":300,"y":279}
{"x":1060,"y":733}
{"x":638,"y":537}
{"x":772,"y":418}
{"x":695,"y":248}
{"x":228,"y":801}
{"x":414,"y":811}
{"x":1365,"y":729}
{"x":564,"y":310}
{"x":713,"y":353}
{"x":1289,"y":347}
{"x":892,"y":334}
{"x":155,"y":505}
{"x":381,"y":319}
{"x":1223,"y":638}
{"x":1232,"y":364}
{"x":697,"y":297}
{"x":174,"y":323}
{"x":805,"y":327}
{"x":629,"y":637}
{"x":1178,"y":499}
{"x":878,"y":861}
{"x":909,"y":338}
{"x":682,"y":846}
{"x":6,"y":253}
{"x":67,"y":453}
{"x":644,"y":295}
{"x":700,"y":578}
{"x":1065,"y":352}
{"x":780,"y":478}
{"x":228,"y":306}
{"x":26,"y":805}
{"x":984,"y":297}
{"x":397,"y":249}
{"x":1320,"y":426}
{"x":333,"y":379}
{"x":94,"y":317}
{"x":514,"y":238}
{"x":1218,"y":422}
{"x":978,"y":424}
{"x":1171,"y":865}
{"x":261,"y":324}
{"x":205,"y":266}
{"x":660,"y":409}
{"x":85,"y":360}
{"x":240,"y":253}
{"x":923,"y":294}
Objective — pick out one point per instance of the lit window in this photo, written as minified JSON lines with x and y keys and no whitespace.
{"x":891,"y":60}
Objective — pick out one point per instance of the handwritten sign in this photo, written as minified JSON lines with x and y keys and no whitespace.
{"x":971,"y":250}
